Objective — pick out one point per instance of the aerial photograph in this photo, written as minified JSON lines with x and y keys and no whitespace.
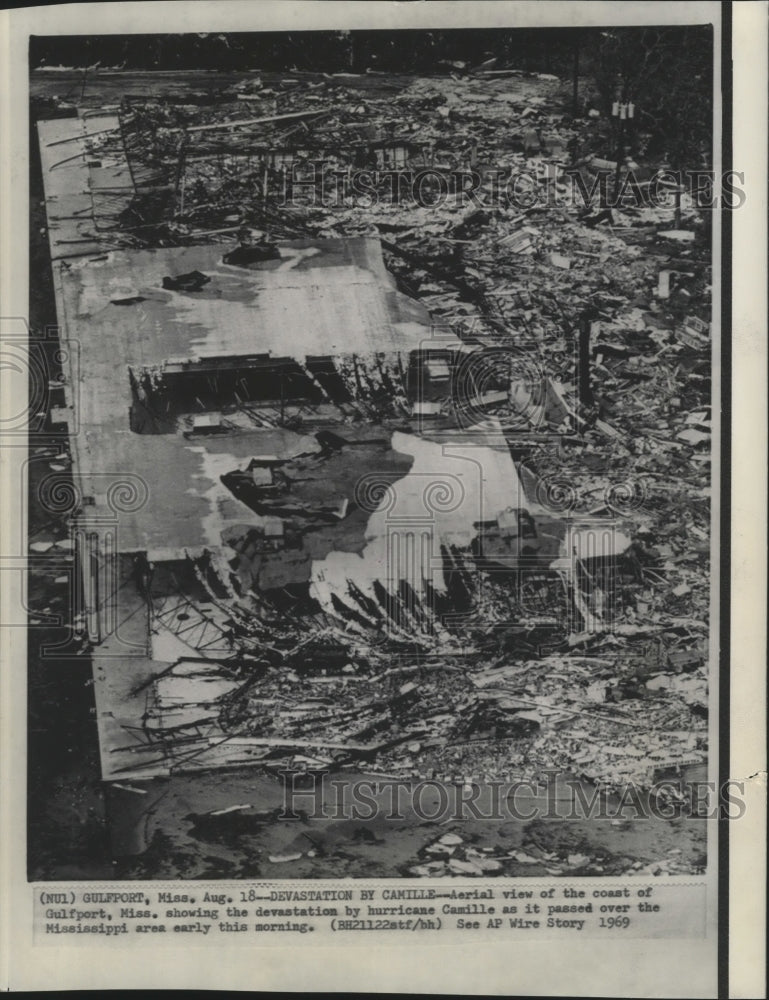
{"x":369,"y":502}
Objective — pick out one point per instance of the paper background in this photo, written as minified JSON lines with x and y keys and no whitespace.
{"x":597,"y":968}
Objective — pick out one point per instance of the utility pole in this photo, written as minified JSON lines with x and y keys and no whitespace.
{"x":575,"y":79}
{"x":180,"y":173}
{"x":679,"y":189}
{"x":621,"y":112}
{"x":583,"y":360}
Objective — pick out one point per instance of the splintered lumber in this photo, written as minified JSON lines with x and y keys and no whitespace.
{"x":240,"y":122}
{"x":273,"y":741}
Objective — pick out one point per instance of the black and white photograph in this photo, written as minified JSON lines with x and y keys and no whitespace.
{"x":380,"y":468}
{"x":376,"y":486}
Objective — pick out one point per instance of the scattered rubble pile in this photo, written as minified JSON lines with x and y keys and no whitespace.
{"x":482,"y":253}
{"x":305,"y":692}
{"x":614,"y":705}
{"x":453,"y":854}
{"x":622,"y":713}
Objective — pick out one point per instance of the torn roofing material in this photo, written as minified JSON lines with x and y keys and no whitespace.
{"x":320,"y":298}
{"x":447,"y":492}
{"x":330,"y":297}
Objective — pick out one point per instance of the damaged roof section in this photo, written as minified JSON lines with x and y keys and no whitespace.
{"x":315,"y":299}
{"x":184,"y":366}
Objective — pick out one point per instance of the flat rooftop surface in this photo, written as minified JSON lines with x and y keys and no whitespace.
{"x":319,"y":299}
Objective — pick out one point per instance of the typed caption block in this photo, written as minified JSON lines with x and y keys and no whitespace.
{"x":270,"y":913}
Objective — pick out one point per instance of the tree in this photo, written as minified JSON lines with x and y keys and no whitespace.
{"x":668,"y":74}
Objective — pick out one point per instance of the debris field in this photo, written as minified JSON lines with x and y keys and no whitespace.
{"x":565,"y":345}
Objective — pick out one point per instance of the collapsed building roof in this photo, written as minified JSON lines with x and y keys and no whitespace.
{"x":124,"y":324}
{"x":290,"y":306}
{"x":317,"y":299}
